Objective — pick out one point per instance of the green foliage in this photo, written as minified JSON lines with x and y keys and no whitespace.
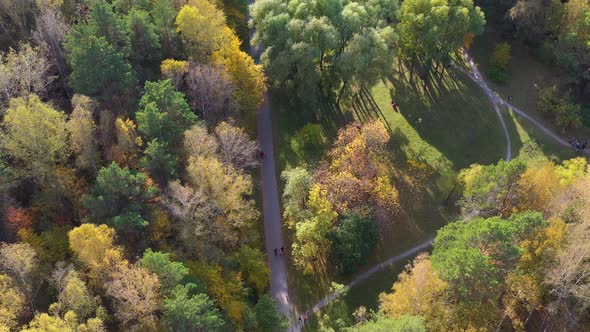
{"x":430,"y":30}
{"x":98,"y":70}
{"x":162,"y":165}
{"x":572,"y":49}
{"x":144,"y":42}
{"x":499,"y":62}
{"x":103,"y":22}
{"x":309,"y":141}
{"x":382,"y":323}
{"x":186,"y":311}
{"x":169,"y":273}
{"x":268,"y":317}
{"x":490,"y":190}
{"x":298,"y":182}
{"x":333,"y":42}
{"x":352,"y":241}
{"x":565,"y":112}
{"x":119,"y":198}
{"x":164,"y":113}
{"x":253,"y":266}
{"x":475,"y":256}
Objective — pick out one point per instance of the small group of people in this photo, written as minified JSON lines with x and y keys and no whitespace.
{"x":575,"y":144}
{"x":282,"y":251}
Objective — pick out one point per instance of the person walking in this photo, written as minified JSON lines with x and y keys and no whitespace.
{"x":282,"y":251}
{"x":276,"y":252}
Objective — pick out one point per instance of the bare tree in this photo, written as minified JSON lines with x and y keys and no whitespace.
{"x":24,"y":72}
{"x":210,"y":92}
{"x":51,"y":30}
{"x":236,"y":148}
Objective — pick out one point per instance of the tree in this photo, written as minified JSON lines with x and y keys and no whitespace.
{"x":566,"y":113}
{"x":34,"y":137}
{"x":536,"y":19}
{"x":169,"y":273}
{"x":248,"y":77}
{"x":253,"y":266}
{"x":69,"y":323}
{"x":162,"y":165}
{"x":185,"y":310}
{"x":102,"y":21}
{"x":430,"y":30}
{"x":94,"y":246}
{"x":24,"y":72}
{"x":128,"y":142}
{"x":199,"y":143}
{"x":74,"y":296}
{"x":164,"y":113}
{"x":119,"y":198}
{"x":82,"y":131}
{"x":268,"y":317}
{"x":12,"y":303}
{"x":490,"y":190}
{"x":352,"y":241}
{"x":311,"y":242}
{"x":135,"y":293}
{"x":402,"y":324}
{"x":235,"y":146}
{"x":419,"y":291}
{"x":163,"y":14}
{"x":201,"y":26}
{"x":51,"y":29}
{"x":19,"y":261}
{"x":315,"y":51}
{"x":309,"y":141}
{"x":537,"y":188}
{"x":499,"y":61}
{"x":210,"y":92}
{"x":144,"y":42}
{"x":298,"y":182}
{"x":98,"y":70}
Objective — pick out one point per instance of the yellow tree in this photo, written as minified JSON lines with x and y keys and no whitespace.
{"x":202,"y":28}
{"x":247,"y":75}
{"x":128,"y":142}
{"x":419,"y":291}
{"x":12,"y":303}
{"x":82,"y":132}
{"x":537,"y":187}
{"x":94,"y":246}
{"x":174,"y":70}
{"x":312,"y":244}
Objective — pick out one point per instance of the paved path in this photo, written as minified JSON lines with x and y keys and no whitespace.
{"x":273,"y":232}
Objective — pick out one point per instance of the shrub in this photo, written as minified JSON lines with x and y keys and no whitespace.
{"x":499,"y":63}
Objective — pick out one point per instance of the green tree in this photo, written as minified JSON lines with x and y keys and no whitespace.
{"x":352,"y":241}
{"x":169,"y":273}
{"x":268,"y":316}
{"x":163,"y":14}
{"x":34,"y":138}
{"x":499,"y":62}
{"x":98,"y":70}
{"x":119,"y":198}
{"x":430,"y":30}
{"x":162,"y":165}
{"x":401,"y":324}
{"x":164,"y":113}
{"x":102,"y":21}
{"x":298,"y":182}
{"x":185,"y":310}
{"x":144,"y":42}
{"x":335,"y":43}
{"x":253,"y":265}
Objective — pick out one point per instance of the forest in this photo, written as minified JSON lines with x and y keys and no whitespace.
{"x":289,"y":165}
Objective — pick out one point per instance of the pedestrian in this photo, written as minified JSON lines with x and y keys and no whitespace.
{"x":394,"y":105}
{"x":282,"y":251}
{"x":286,"y":298}
{"x":300,"y":320}
{"x":276,"y":250}
{"x":509,"y":97}
{"x":261,"y":154}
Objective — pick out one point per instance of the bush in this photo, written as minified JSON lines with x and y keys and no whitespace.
{"x":566,"y":114}
{"x":309,"y":141}
{"x":499,"y":63}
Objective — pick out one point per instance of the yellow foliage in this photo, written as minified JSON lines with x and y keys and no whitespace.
{"x":128,"y":143}
{"x":12,"y":303}
{"x":537,"y":187}
{"x":171,"y":67}
{"x":247,"y":75}
{"x":94,"y":246}
{"x":572,"y":169}
{"x":540,"y":248}
{"x":202,"y":28}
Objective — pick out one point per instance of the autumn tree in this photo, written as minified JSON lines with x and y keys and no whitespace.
{"x":419,"y":291}
{"x":119,"y":198}
{"x":175,"y":70}
{"x":51,"y":29}
{"x":210,"y":91}
{"x":19,"y":262}
{"x":537,"y":187}
{"x":235,"y":147}
{"x":12,"y":303}
{"x":199,"y":143}
{"x":499,"y":61}
{"x":82,"y":131}
{"x":135,"y":293}
{"x":566,"y":113}
{"x":490,"y":190}
{"x":202,"y":29}
{"x":68,"y":323}
{"x":34,"y":137}
{"x":127,"y":148}
{"x":73,"y":294}
{"x":253,"y":266}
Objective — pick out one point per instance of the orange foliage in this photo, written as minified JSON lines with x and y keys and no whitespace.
{"x":18,"y":217}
